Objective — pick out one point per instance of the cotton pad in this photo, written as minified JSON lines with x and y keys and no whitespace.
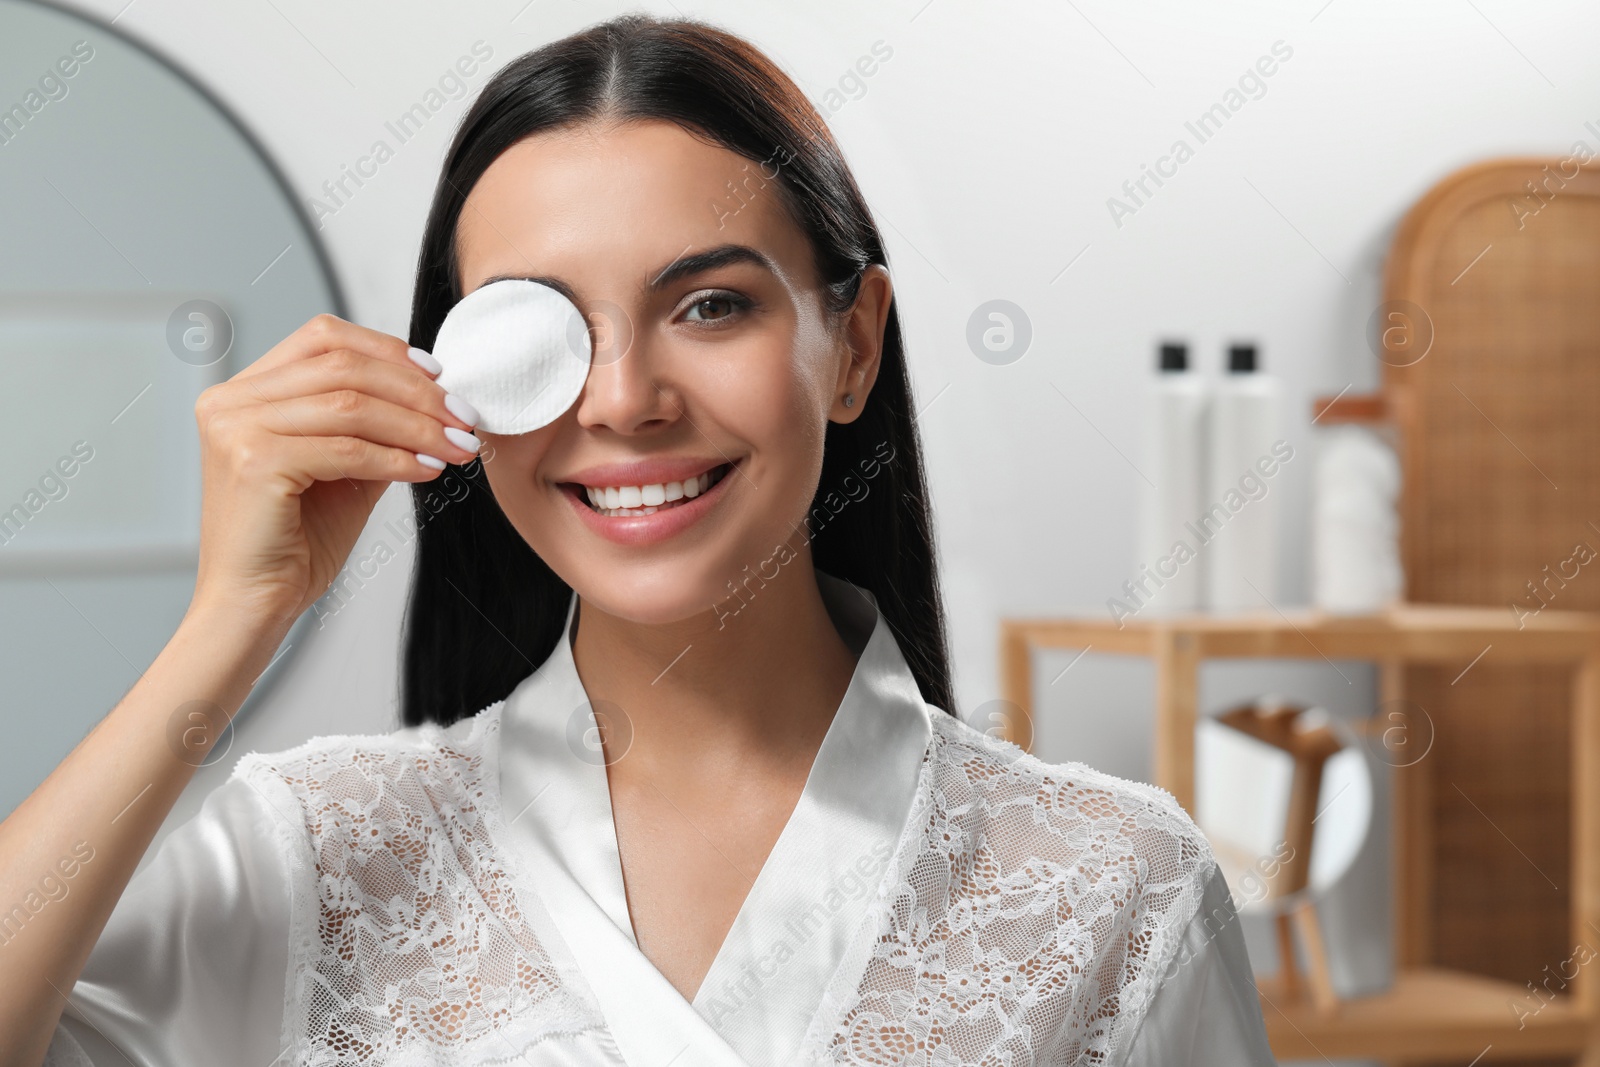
{"x":518,"y":351}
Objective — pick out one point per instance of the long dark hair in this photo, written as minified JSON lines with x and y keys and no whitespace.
{"x":485,"y":611}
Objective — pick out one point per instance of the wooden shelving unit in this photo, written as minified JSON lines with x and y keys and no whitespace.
{"x":1430,"y":1013}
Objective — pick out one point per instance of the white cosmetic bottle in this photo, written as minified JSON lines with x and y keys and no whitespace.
{"x":1355,"y":529}
{"x":1238,"y":522}
{"x":1169,"y":577}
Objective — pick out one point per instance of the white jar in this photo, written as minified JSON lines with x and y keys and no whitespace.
{"x":1355,"y":528}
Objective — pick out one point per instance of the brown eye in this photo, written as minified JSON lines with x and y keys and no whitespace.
{"x":711,"y":308}
{"x":716,"y":307}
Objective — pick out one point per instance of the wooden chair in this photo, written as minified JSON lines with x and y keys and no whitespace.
{"x":1495,"y":398}
{"x":1310,"y":744}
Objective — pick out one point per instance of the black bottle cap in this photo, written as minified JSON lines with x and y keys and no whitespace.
{"x":1241,"y":359}
{"x":1174,"y":356}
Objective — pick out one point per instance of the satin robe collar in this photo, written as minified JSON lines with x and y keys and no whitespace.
{"x":796,"y":926}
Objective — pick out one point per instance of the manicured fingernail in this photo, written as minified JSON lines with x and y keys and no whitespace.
{"x":429,"y":461}
{"x":461,"y":409}
{"x":462,"y":439}
{"x":423,"y":360}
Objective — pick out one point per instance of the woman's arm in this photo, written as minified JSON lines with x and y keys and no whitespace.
{"x":295,"y":451}
{"x":191,"y":968}
{"x":99,"y":809}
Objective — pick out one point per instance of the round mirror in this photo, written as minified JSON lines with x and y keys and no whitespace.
{"x":151,"y":250}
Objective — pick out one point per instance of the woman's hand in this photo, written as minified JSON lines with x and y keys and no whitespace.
{"x":297,"y":448}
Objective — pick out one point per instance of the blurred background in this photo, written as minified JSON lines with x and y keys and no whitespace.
{"x":208,"y":177}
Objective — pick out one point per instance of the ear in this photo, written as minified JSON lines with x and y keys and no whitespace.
{"x":862,"y":351}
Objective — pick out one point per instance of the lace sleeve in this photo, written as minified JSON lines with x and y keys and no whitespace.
{"x":410,"y":943}
{"x":1205,"y":1009}
{"x":1027,"y":917}
{"x":190,"y":968}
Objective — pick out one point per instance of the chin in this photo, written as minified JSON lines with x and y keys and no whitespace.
{"x":659,"y":594}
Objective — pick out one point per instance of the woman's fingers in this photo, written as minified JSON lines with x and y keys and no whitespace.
{"x":352,"y":413}
{"x":327,"y":459}
{"x":324,"y":333}
{"x":345,"y":368}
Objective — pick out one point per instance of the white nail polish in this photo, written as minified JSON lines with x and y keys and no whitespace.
{"x":429,"y":461}
{"x":462,"y":439}
{"x":461,"y":409}
{"x":423,"y":360}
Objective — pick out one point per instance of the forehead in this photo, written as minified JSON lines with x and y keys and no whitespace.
{"x":600,"y":204}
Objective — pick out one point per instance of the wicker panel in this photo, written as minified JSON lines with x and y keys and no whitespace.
{"x":1500,"y":430}
{"x":1501,"y":874}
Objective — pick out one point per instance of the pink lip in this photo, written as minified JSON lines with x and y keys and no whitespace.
{"x":653,"y":528}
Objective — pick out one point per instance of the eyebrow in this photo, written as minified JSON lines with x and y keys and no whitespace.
{"x":710,"y":259}
{"x":555,"y":283}
{"x":682,"y":267}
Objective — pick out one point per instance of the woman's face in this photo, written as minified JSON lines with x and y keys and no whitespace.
{"x":715,"y":369}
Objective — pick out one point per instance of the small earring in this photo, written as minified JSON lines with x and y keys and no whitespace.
{"x":849,"y":400}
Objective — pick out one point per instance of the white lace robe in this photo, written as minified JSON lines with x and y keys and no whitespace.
{"x":454,"y":896}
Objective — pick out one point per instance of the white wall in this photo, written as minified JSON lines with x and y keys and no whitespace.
{"x":988,"y":145}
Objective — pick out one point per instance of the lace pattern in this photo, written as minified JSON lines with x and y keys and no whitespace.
{"x":411,"y":946}
{"x":1027,"y":916}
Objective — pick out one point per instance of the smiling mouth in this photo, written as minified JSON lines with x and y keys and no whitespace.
{"x":627,"y":501}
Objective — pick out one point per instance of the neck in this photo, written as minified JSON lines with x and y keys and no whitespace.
{"x":720,"y":692}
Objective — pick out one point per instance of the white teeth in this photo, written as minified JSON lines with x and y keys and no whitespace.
{"x":645,"y":499}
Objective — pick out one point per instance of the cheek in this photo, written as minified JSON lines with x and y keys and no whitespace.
{"x":774,"y":397}
{"x":511,"y":464}
{"x":762,"y":402}
{"x":787,"y":373}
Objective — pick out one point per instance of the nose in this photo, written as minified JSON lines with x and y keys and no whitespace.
{"x":624,"y":391}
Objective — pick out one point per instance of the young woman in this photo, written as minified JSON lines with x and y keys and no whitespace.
{"x":680,"y":782}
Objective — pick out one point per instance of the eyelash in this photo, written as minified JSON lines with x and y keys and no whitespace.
{"x":737,"y":303}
